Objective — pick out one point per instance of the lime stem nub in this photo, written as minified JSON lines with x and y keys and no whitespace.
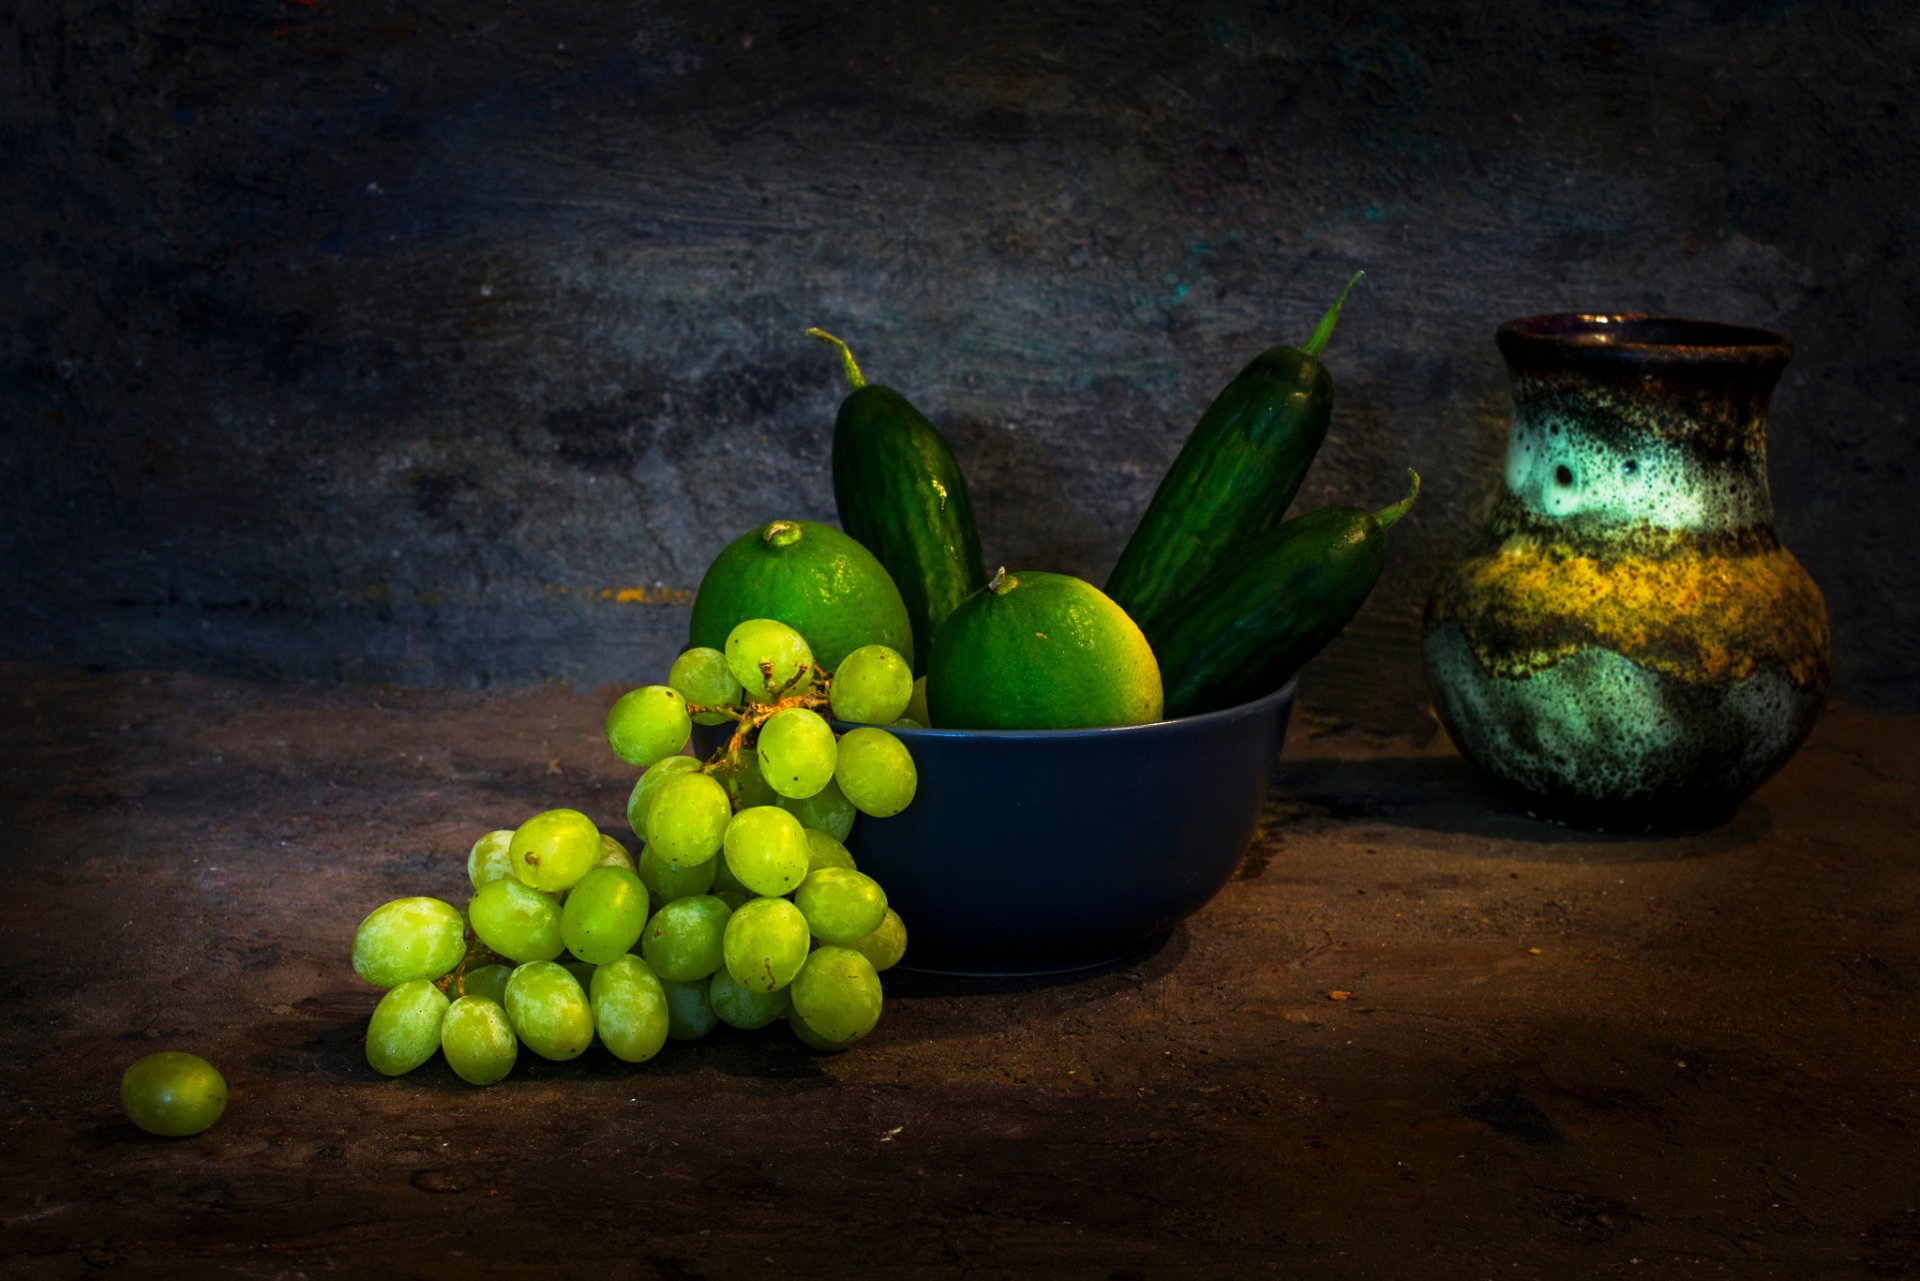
{"x":1324,"y":330}
{"x":1387,"y":515}
{"x":855,"y":379}
{"x":1002,"y":582}
{"x":782,"y":533}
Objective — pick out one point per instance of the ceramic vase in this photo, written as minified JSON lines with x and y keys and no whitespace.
{"x":1629,"y":646}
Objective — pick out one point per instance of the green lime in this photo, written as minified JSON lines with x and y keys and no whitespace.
{"x":811,"y":577}
{"x":1041,"y":651}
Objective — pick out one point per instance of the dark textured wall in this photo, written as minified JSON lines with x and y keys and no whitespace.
{"x":446,"y":342}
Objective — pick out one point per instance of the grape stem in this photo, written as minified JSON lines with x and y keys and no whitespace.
{"x":754,"y":715}
{"x":454,"y":981}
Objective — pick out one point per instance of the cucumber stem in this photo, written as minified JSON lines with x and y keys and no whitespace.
{"x":855,"y":379}
{"x":1388,"y":515}
{"x":1324,"y":330}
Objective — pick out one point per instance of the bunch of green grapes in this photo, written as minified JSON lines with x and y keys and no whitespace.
{"x":743,"y":908}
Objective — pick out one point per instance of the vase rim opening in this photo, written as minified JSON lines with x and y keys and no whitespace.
{"x":1638,"y":337}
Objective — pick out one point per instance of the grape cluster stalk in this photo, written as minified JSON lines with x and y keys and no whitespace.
{"x":744,"y":906}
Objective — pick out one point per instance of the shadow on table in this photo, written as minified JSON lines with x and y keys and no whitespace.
{"x":1445,"y":797}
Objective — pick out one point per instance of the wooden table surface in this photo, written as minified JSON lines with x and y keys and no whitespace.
{"x":1416,"y":1036}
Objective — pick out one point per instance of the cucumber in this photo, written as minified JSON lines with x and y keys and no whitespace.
{"x":900,"y":493}
{"x":1265,"y":611}
{"x":1233,"y":478}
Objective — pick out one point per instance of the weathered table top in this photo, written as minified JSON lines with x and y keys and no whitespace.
{"x":1417,"y":1035}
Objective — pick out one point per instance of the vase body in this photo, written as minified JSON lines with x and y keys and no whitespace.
{"x":1629,"y":645}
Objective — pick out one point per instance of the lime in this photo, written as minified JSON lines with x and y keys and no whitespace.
{"x":811,"y":577}
{"x":1041,"y":651}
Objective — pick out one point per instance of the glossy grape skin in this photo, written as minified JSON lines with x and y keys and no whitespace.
{"x":488,"y":860}
{"x":765,"y":944}
{"x":687,"y":819}
{"x":745,"y":782}
{"x":549,"y":1010}
{"x":648,"y":724}
{"x":788,"y":662}
{"x":734,"y":899}
{"x":917,"y":704}
{"x":613,"y":853}
{"x":478,"y":1040}
{"x":766,"y":849}
{"x":640,"y":800}
{"x":701,"y":676}
{"x":405,"y":1028}
{"x":797,"y":753}
{"x":582,"y":972}
{"x":517,"y":921}
{"x":886,"y":945}
{"x":604,"y":914}
{"x":827,"y":810}
{"x":683,"y":941}
{"x":736,"y":1006}
{"x":408,"y":938}
{"x":808,"y":1037}
{"x":629,"y":1008}
{"x":840,"y":904}
{"x":666,"y":882}
{"x":173,"y":1094}
{"x":837,"y":995}
{"x":488,"y":981}
{"x":690,"y":1013}
{"x":876,"y":771}
{"x":555,"y":848}
{"x":872,"y":686}
{"x":824,"y":851}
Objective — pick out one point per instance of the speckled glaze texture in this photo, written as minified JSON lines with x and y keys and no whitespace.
{"x":1630,"y":646}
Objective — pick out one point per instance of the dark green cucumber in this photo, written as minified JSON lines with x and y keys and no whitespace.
{"x":1233,"y":478}
{"x":901,"y":494}
{"x":1272,"y":606}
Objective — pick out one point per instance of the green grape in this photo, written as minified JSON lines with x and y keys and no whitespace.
{"x":477,"y":1037}
{"x":629,"y":1008}
{"x":886,"y":945}
{"x":732,"y":898}
{"x":682,"y":942}
{"x":640,"y":800}
{"x":765,"y":944}
{"x":827,"y":810}
{"x":604,"y":914}
{"x":917,"y":704}
{"x":702,"y":677}
{"x":405,"y":1028}
{"x":647,"y":725}
{"x":769,"y":659}
{"x":690,"y":1013}
{"x":905,"y":722}
{"x":746,"y":783}
{"x":582,"y":971}
{"x":876,"y":772}
{"x":837,"y":995}
{"x":724,"y":881}
{"x":549,"y":1010}
{"x":173,"y":1093}
{"x":737,"y":1007}
{"x":488,"y":981}
{"x":554,"y":849}
{"x":766,"y":848}
{"x":808,"y":1037}
{"x":409,"y":938}
{"x":688,"y":818}
{"x":613,"y":854}
{"x":840,"y":904}
{"x":796,"y":752}
{"x":488,"y":860}
{"x":824,"y":851}
{"x":872,"y":686}
{"x":666,"y":882}
{"x":520,"y":923}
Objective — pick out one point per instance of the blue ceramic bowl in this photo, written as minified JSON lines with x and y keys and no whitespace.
{"x":1039,"y":851}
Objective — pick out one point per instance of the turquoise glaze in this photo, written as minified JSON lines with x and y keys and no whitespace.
{"x":1629,"y":645}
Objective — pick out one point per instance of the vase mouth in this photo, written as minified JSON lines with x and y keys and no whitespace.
{"x":1637,"y":338}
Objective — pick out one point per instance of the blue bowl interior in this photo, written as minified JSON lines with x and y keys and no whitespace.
{"x":1029,"y":852}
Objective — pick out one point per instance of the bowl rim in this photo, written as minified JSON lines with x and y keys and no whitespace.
{"x":1252,"y":707}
